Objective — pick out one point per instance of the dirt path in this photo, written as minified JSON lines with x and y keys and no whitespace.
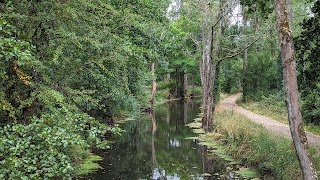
{"x":268,"y":123}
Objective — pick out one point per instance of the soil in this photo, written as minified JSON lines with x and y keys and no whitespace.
{"x":270,"y":124}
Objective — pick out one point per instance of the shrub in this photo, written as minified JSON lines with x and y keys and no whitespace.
{"x":50,"y":146}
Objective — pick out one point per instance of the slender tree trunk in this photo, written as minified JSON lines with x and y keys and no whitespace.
{"x":208,"y":80}
{"x":185,"y":84}
{"x":245,"y":61}
{"x":292,"y":101}
{"x":279,"y":74}
{"x":205,"y":65}
{"x":244,"y":75}
{"x":154,"y":87}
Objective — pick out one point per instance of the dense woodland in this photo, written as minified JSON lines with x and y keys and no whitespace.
{"x":70,"y":69}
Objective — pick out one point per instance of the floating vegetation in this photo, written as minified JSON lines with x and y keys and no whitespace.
{"x":206,"y":175}
{"x":247,"y":173}
{"x":89,"y":164}
{"x":198,"y":119}
{"x":192,"y":138}
{"x":195,"y":125}
{"x":198,"y":131}
{"x":216,"y":150}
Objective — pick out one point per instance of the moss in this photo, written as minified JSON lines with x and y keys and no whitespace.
{"x":88,"y":165}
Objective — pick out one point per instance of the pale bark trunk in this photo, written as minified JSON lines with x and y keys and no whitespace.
{"x":244,"y":74}
{"x":207,"y":69}
{"x":185,"y":84}
{"x":290,"y":79}
{"x":154,"y":87}
{"x":245,"y":61}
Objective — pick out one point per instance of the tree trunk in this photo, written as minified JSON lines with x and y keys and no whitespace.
{"x":208,"y":75}
{"x":292,"y":101}
{"x":279,"y":75}
{"x":154,"y":88}
{"x":244,"y":75}
{"x":245,"y":61}
{"x":185,"y":84}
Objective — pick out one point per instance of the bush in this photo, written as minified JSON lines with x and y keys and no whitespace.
{"x":50,"y":146}
{"x":311,"y":107}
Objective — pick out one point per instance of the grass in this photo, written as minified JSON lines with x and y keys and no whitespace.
{"x":258,"y":148}
{"x":88,"y":165}
{"x":275,"y":108}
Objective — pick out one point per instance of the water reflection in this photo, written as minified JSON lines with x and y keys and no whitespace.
{"x":154,"y":147}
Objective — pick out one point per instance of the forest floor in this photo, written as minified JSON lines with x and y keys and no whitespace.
{"x":274,"y":126}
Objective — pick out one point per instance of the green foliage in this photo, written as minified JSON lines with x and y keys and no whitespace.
{"x":308,"y":54}
{"x":231,"y":74}
{"x":49,"y":146}
{"x":261,"y":75}
{"x":64,"y":66}
{"x":311,"y":107}
{"x":15,"y":73}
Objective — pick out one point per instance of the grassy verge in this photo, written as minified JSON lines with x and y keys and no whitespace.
{"x":275,"y":108}
{"x":257,"y":147}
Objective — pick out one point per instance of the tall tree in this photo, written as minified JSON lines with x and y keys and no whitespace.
{"x":207,"y":67}
{"x":290,"y":79}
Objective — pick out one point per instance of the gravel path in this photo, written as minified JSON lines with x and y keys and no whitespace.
{"x":268,"y":123}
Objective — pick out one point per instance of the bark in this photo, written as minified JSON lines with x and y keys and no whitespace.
{"x":290,"y":13}
{"x":245,"y":62}
{"x":290,"y":78}
{"x":208,"y":74}
{"x":154,"y":88}
{"x":185,"y":84}
{"x":244,"y":75}
{"x":279,"y":74}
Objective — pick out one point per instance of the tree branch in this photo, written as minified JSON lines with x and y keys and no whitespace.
{"x":236,"y":54}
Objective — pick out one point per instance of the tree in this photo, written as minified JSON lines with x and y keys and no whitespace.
{"x":290,"y":78}
{"x":67,"y":67}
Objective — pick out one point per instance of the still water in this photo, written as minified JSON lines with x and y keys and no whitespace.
{"x":154,"y":146}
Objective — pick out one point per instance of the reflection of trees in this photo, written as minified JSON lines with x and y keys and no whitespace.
{"x":176,"y":155}
{"x":145,"y":149}
{"x":207,"y":164}
{"x":214,"y":165}
{"x":168,"y":112}
{"x":156,"y":171}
